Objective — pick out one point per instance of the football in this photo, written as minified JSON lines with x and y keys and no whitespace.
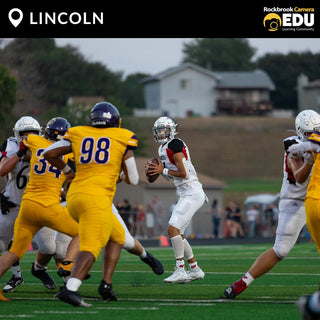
{"x":151,"y":177}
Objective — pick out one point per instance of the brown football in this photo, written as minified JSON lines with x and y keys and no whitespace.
{"x":152,"y":177}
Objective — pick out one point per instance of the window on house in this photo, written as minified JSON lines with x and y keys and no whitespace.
{"x":185,"y":83}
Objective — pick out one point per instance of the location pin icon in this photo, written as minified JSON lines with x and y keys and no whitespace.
{"x":15,"y":21}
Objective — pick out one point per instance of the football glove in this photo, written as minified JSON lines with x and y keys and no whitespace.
{"x":22,"y":150}
{"x":5,"y":204}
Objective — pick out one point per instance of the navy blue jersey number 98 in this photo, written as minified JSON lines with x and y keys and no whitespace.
{"x":97,"y":151}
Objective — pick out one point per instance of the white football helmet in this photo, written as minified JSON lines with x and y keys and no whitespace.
{"x":26,"y":124}
{"x":164,"y":129}
{"x":307,"y":121}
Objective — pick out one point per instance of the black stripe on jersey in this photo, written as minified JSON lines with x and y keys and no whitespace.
{"x":289,"y":142}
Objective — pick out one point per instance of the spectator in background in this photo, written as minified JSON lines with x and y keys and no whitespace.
{"x":125,"y":212}
{"x":252,"y":219}
{"x":216,"y":213}
{"x":236,"y":216}
{"x":141,"y":222}
{"x":159,"y":215}
{"x":228,"y":228}
{"x":133,"y":219}
{"x":150,"y":221}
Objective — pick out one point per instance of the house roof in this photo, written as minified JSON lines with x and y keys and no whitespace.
{"x":225,"y":79}
{"x":170,"y":71}
{"x":207,"y":181}
{"x":244,"y":79}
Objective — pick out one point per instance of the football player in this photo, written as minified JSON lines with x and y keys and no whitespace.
{"x":17,"y":172}
{"x":40,"y":205}
{"x":292,"y":215}
{"x":177,"y":166}
{"x":132,"y":245}
{"x":309,"y":305}
{"x":102,"y":153}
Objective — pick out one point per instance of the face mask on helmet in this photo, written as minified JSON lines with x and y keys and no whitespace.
{"x":104,"y":115}
{"x":56,"y":128}
{"x":25,"y":125}
{"x":164,"y":129}
{"x":307,"y":121}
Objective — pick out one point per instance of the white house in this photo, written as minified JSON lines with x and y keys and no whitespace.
{"x":189,"y":89}
{"x":308,"y":93}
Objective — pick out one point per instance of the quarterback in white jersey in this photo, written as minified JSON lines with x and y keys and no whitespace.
{"x":292,"y":215}
{"x":176,"y":165}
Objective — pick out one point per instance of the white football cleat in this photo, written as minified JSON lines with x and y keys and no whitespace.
{"x":194,"y":274}
{"x":179,"y":276}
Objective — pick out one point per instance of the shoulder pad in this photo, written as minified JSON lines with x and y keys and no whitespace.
{"x":176,"y":145}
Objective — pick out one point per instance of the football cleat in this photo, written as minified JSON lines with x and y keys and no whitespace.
{"x":44,"y":276}
{"x":305,"y":312}
{"x":153,"y":263}
{"x":12,"y":284}
{"x":2,"y":297}
{"x":195,"y":274}
{"x":235,"y":289}
{"x":179,"y":276}
{"x":106,"y":291}
{"x":71,"y":297}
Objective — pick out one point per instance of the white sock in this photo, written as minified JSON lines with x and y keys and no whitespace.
{"x":73,"y":284}
{"x":314,"y":303}
{"x":178,"y":246}
{"x":193,"y":265}
{"x":38,"y":266}
{"x":180,"y":264}
{"x":247,"y":278}
{"x":144,"y":253}
{"x":16,"y":271}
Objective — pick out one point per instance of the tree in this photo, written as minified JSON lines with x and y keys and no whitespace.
{"x":8,"y":98}
{"x":132,"y":91}
{"x":284,"y":70}
{"x":220,"y":54}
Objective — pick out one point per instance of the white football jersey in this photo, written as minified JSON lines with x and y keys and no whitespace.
{"x":188,"y":186}
{"x":18,"y":178}
{"x":291,"y":189}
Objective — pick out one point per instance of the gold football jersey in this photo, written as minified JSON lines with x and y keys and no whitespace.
{"x":45,"y":180}
{"x":313,"y":190}
{"x":98,"y":154}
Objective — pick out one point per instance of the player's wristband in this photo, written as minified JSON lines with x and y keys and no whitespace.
{"x":165,"y":172}
{"x":66,"y":169}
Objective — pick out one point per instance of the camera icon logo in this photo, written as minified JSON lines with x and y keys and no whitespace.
{"x":272,"y":22}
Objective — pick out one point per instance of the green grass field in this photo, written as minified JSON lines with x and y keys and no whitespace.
{"x":143,"y":295}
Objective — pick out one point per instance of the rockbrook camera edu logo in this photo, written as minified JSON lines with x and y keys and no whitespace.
{"x":15,"y":16}
{"x":289,"y":19}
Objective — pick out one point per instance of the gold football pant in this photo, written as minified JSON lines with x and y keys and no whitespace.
{"x":313,"y":219}
{"x":33,"y":216}
{"x":97,"y":224}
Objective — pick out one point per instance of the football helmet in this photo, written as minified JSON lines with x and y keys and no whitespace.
{"x":307,"y":121}
{"x":56,"y":128}
{"x":105,"y":115}
{"x":164,"y":129}
{"x":26,"y":124}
